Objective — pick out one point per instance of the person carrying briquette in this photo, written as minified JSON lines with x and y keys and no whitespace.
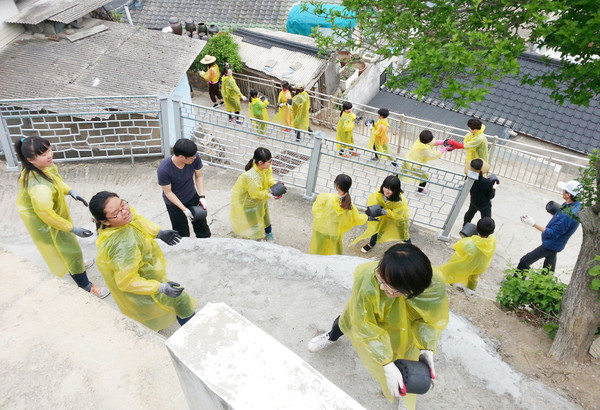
{"x":212,"y":77}
{"x":397,"y":310}
{"x":344,"y":128}
{"x":333,"y":215}
{"x":379,"y":140}
{"x":557,"y":232}
{"x":472,"y":256}
{"x":133,"y":265}
{"x":182,"y":183}
{"x":482,"y":192}
{"x":249,"y":215}
{"x":42,"y":206}
{"x":393,"y":224}
{"x":422,"y":152}
{"x":257,"y":108}
{"x":300,"y":110}
{"x":232,"y":95}
{"x":284,"y":101}
{"x":475,"y":143}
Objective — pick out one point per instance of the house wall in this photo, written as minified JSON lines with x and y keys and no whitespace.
{"x":182,"y":91}
{"x":8,"y":32}
{"x":367,"y":85}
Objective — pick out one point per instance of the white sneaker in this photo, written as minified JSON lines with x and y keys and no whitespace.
{"x":100,"y":292}
{"x":319,"y":343}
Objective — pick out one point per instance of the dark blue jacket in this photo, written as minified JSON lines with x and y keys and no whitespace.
{"x":561,"y":227}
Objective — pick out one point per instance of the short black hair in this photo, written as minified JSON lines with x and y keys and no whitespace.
{"x":426,"y":136}
{"x":477,"y":164}
{"x":474,"y":124}
{"x":406,"y":268}
{"x":384,"y":112}
{"x":486,"y":227}
{"x":253,"y":93}
{"x":185,"y":147}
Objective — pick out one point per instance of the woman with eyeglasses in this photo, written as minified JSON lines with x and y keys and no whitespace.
{"x":134,"y":266}
{"x":45,"y":213}
{"x":397,"y":310}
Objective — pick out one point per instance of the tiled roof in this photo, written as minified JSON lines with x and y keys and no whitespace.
{"x":226,"y":14}
{"x":62,"y":11}
{"x":529,"y":110}
{"x":122,"y":60}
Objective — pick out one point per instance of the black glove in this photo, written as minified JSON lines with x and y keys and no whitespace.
{"x":171,"y":289}
{"x":369,"y":123}
{"x":169,"y":236}
{"x":77,"y":197}
{"x":494,"y":179}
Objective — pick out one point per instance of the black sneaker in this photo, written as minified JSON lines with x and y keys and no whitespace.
{"x":366,"y":248}
{"x":215,"y":105}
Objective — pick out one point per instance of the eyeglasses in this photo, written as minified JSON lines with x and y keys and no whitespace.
{"x":120,"y":211}
{"x":390,"y":289}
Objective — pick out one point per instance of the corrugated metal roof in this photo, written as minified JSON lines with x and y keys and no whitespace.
{"x":62,"y":11}
{"x":289,"y":65}
{"x":126,"y":60}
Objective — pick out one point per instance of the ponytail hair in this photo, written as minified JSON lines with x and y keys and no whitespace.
{"x":29,"y":147}
{"x":97,"y":205}
{"x":344,"y":182}
{"x":346,"y":106}
{"x":260,"y":154}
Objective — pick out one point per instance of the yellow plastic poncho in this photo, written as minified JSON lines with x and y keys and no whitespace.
{"x":471,"y":258}
{"x":345,"y":126}
{"x":390,"y":227}
{"x":330,"y":222}
{"x":379,"y":137}
{"x":46,"y":216}
{"x":300,"y":109}
{"x":133,"y":266}
{"x":476,"y":146}
{"x":231,"y":94}
{"x":249,"y":213}
{"x":384,"y":329}
{"x":284,"y":116}
{"x":258,"y":109}
{"x":422,"y":153}
{"x":212,"y":75}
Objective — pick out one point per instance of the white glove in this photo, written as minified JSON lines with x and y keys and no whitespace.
{"x":203,"y":202}
{"x":188,"y":214}
{"x":527,"y":220}
{"x":281,"y":105}
{"x":427,"y":357}
{"x":393,"y":378}
{"x":244,"y":98}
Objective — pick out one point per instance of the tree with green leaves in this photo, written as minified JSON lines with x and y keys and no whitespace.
{"x":224,"y":48}
{"x":461,"y":46}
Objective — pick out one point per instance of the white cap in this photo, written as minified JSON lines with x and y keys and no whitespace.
{"x":572,"y":187}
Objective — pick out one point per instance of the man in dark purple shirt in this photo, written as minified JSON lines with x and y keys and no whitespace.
{"x":181,"y":180}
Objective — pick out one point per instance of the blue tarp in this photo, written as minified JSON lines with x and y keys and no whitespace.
{"x":302,"y":22}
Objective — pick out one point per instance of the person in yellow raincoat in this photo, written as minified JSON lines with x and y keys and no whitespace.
{"x":475,"y":143}
{"x":333,"y":215}
{"x":134,"y":266}
{"x":258,"y":109}
{"x":284,"y":116}
{"x":212,"y":77}
{"x":249,"y":215}
{"x":422,"y":151}
{"x":300,"y":110}
{"x":42,"y":206}
{"x":397,"y":310}
{"x":232,"y":95}
{"x":344,"y":129}
{"x":379,"y":140}
{"x":472,"y":257}
{"x":393,"y":226}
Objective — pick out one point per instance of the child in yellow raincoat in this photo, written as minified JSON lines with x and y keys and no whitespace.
{"x":397,"y":310}
{"x":475,"y":143}
{"x":300,"y":110}
{"x":134,"y":266}
{"x":258,"y":109}
{"x":422,"y":151}
{"x":284,"y":116}
{"x":379,"y":140}
{"x":231,"y":95}
{"x":333,"y":215}
{"x":42,"y":206}
{"x":344,"y":128}
{"x":393,"y":226}
{"x":472,"y":257}
{"x":249,"y":215}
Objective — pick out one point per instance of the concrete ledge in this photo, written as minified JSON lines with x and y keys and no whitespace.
{"x":225,"y":362}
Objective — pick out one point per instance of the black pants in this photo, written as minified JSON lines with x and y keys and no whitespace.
{"x":485,"y":213}
{"x":422,"y":186}
{"x":179,"y":221}
{"x":232,"y":117}
{"x":298,"y":134}
{"x":537,"y":254}
{"x":214,"y":92}
{"x":335,"y":333}
{"x":81,"y":279}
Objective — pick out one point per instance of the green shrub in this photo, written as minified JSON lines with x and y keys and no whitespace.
{"x":224,"y":48}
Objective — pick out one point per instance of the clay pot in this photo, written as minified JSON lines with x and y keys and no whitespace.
{"x":344,"y":57}
{"x":212,"y":30}
{"x":202,"y":29}
{"x":190,"y":26}
{"x":359,"y":65}
{"x":175,"y":24}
